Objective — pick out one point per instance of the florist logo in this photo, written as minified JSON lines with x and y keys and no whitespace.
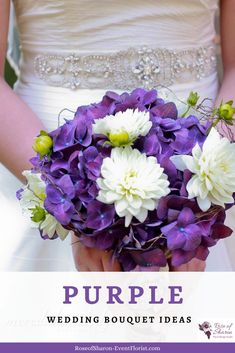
{"x":206,"y":328}
{"x":216,"y":330}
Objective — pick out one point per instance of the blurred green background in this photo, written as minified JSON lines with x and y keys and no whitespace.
{"x":10,"y":76}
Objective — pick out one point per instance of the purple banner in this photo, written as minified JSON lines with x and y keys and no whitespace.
{"x":117,"y":347}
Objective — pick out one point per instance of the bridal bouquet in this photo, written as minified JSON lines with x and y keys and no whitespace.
{"x":131,"y":175}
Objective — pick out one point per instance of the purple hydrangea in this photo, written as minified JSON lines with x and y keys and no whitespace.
{"x":183,"y":233}
{"x":59,"y":199}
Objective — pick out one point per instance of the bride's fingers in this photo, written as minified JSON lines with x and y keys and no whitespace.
{"x":91,"y":264}
{"x":194,"y":265}
{"x":139,"y":268}
{"x":110,"y":264}
{"x":87,"y":259}
{"x":90,"y":259}
{"x":82,"y":269}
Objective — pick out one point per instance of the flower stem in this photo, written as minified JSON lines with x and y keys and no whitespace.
{"x":168,"y":254}
{"x":186,"y":112}
{"x":213,"y":125}
{"x":215,"y":122}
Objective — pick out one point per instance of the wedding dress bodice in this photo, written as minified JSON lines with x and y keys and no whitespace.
{"x":111,"y":25}
{"x":110,"y":44}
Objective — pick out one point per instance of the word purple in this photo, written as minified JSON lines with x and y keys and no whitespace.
{"x":116,"y":295}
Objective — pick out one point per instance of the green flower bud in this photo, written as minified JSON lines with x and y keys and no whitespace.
{"x":43,"y":144}
{"x":192,"y":99}
{"x":119,"y":139}
{"x":38,"y":214}
{"x":226,"y":112}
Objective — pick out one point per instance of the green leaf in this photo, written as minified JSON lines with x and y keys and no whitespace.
{"x":39,"y":214}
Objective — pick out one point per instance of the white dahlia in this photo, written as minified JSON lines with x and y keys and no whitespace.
{"x":133,"y":182}
{"x":50,"y":226}
{"x":213,"y":167}
{"x":33,"y":193}
{"x":123,"y":128}
{"x":32,"y":199}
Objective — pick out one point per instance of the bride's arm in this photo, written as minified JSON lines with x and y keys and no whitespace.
{"x":227,"y":20}
{"x":18,"y":124}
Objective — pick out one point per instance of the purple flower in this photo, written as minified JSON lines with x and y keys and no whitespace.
{"x":202,"y":252}
{"x":94,"y":111}
{"x":165,"y":111}
{"x":152,"y":145}
{"x":19,"y":193}
{"x":83,"y":132}
{"x":129,"y":259}
{"x":91,"y":162}
{"x":46,"y":237}
{"x":180,"y":257}
{"x":190,"y":133}
{"x":63,"y":137}
{"x":184,"y":141}
{"x":155,"y":257}
{"x":169,"y":167}
{"x":139,"y":98}
{"x":105,"y":239}
{"x":174,"y":204}
{"x":184,"y":233}
{"x":126,"y":260}
{"x":59,"y":199}
{"x":220,"y":231}
{"x":192,"y":122}
{"x":59,"y":165}
{"x":99,"y":215}
{"x":73,"y":165}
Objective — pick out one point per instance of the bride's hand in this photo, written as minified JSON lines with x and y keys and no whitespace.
{"x":90,"y":259}
{"x":94,"y":260}
{"x":194,"y":265}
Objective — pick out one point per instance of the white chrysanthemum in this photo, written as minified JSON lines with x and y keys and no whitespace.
{"x":33,"y":195}
{"x":50,"y":225}
{"x":213,"y":167}
{"x":133,"y":182}
{"x":123,"y":127}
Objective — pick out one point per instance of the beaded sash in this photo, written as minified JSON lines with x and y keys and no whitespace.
{"x":124,"y":70}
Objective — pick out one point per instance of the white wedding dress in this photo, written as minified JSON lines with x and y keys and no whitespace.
{"x":114,"y":43}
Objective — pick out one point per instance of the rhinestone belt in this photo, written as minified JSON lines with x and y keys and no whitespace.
{"x":126,"y":69}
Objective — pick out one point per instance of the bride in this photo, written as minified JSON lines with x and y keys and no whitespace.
{"x":72,"y":52}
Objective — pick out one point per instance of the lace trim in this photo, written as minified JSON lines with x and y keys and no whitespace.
{"x":126,"y":69}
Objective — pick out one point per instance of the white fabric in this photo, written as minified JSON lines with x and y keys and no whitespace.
{"x":88,"y":26}
{"x":13,"y":50}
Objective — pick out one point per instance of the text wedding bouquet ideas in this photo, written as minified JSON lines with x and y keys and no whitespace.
{"x":131,"y":175}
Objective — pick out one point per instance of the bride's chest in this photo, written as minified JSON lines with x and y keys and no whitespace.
{"x":93,"y":9}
